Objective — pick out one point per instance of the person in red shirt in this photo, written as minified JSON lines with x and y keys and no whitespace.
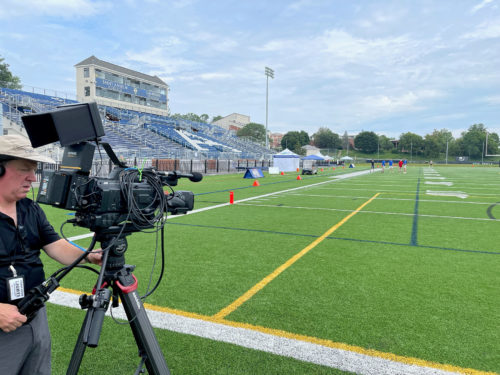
{"x":400,"y":165}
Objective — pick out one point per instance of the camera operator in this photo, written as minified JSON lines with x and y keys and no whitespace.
{"x":24,"y":230}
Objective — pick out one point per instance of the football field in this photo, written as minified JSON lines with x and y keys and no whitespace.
{"x":346,"y":271}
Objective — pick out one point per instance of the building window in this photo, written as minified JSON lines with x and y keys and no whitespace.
{"x":87,"y":90}
{"x":86,"y":73}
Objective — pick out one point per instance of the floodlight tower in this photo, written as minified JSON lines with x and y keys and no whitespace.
{"x":269,"y":73}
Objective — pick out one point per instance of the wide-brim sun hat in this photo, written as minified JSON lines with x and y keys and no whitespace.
{"x":19,"y":147}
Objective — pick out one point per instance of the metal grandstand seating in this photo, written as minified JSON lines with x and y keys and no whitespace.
{"x":129,"y":131}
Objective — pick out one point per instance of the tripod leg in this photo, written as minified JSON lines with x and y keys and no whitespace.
{"x":141,"y":326}
{"x":79,"y":350}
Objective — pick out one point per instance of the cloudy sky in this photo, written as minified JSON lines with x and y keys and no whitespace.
{"x":377,"y":65}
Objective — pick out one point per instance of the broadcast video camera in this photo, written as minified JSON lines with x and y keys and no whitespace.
{"x":126,"y":195}
{"x":127,"y":201}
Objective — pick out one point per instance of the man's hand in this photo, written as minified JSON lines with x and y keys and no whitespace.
{"x":10,"y":317}
{"x":95,"y":257}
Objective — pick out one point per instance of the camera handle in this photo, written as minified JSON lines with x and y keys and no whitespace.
{"x":35,"y":299}
{"x":119,"y":277}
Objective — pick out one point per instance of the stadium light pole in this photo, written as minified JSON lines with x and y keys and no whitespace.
{"x":446,"y":151}
{"x":269,"y":73}
{"x":378,"y":148}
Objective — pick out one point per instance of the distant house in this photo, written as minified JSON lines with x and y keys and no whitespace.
{"x":233,"y":122}
{"x":311,"y":150}
{"x":275,"y":140}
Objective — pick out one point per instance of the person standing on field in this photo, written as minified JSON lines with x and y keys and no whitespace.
{"x":25,"y":347}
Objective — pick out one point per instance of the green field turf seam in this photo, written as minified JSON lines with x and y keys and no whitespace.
{"x":266,"y":280}
{"x":336,"y":238}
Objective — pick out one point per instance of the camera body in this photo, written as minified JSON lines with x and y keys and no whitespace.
{"x":100,"y":202}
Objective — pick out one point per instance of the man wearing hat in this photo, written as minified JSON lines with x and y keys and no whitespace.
{"x":24,"y":231}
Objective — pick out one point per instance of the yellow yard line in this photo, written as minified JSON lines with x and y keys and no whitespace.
{"x":266,"y":280}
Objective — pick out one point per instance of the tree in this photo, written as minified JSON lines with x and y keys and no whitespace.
{"x":294,"y":139}
{"x":493,"y":143}
{"x":366,"y":142}
{"x":325,"y":138}
{"x":435,"y":143}
{"x":472,"y":142}
{"x":385,"y":143}
{"x":6,"y":78}
{"x":216,"y":118}
{"x":256,"y":132}
{"x":345,"y":141}
{"x":304,"y":138}
{"x":411,"y":142}
{"x":191,"y":117}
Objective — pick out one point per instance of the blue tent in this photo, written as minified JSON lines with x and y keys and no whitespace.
{"x":313,"y":157}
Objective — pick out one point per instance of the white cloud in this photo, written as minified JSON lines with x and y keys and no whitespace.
{"x":486,"y":30}
{"x":214,"y":76}
{"x":160,"y":60}
{"x":481,"y":5}
{"x":57,"y":8}
{"x":494,"y":100}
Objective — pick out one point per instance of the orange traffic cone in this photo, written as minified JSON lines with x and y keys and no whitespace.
{"x":298,"y":169}
{"x":256,"y":183}
{"x":299,"y":178}
{"x":321,"y":169}
{"x":282,"y":173}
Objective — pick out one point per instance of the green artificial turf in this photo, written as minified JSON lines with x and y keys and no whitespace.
{"x":411,"y":274}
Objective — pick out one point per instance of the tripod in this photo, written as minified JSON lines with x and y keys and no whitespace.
{"x":117,"y":275}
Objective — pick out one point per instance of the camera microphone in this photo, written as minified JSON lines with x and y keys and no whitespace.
{"x":194,"y":176}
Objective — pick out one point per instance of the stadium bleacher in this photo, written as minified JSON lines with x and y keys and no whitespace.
{"x":149,"y":134}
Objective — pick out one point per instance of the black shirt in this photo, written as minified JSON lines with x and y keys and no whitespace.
{"x":20,"y":246}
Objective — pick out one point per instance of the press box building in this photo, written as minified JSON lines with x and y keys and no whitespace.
{"x":112,"y":85}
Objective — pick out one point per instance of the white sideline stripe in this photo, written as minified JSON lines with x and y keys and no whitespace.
{"x":332,"y":179}
{"x":303,"y":351}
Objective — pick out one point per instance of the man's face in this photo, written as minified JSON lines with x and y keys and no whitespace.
{"x":16,"y":182}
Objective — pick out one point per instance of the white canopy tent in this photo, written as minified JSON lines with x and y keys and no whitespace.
{"x":286,"y":161}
